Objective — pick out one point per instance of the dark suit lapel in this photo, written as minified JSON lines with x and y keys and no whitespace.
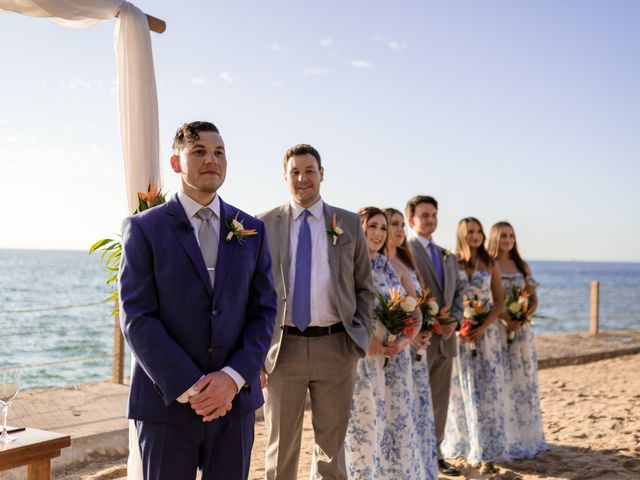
{"x":225,"y":249}
{"x":283,"y":231}
{"x":186,"y":236}
{"x":333,"y":250}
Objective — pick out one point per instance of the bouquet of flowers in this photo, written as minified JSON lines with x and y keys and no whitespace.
{"x":433,"y":317}
{"x":475,"y":312}
{"x":394,"y":312}
{"x":517,"y":303}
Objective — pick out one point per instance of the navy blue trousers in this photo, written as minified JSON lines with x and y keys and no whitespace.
{"x":221,"y":449}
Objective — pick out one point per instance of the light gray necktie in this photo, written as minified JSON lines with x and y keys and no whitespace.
{"x":208,"y":242}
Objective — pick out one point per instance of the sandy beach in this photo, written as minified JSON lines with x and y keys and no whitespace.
{"x":591,"y":417}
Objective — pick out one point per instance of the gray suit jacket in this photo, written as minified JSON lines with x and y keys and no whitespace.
{"x":350,"y":268}
{"x":449,"y":294}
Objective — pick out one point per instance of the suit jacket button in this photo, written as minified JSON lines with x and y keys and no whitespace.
{"x":214,"y":313}
{"x":210,"y":350}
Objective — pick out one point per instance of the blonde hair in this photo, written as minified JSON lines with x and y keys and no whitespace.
{"x":493,"y":245}
{"x":463,"y":250}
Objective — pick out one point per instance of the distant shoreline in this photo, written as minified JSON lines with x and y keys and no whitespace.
{"x":599,"y":262}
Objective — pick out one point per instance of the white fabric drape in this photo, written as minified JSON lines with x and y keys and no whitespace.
{"x":70,"y":13}
{"x":137,"y":96}
{"x":137,"y":103}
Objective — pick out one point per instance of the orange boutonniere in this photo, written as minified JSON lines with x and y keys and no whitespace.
{"x":236,"y":229}
{"x":336,"y":229}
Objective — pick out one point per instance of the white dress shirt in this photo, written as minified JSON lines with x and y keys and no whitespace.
{"x":191,"y":208}
{"x":425,"y":243}
{"x":323,"y":312}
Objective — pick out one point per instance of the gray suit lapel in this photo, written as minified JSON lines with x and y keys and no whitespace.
{"x":448,"y":281}
{"x":284,"y":243}
{"x":430,"y":268}
{"x":333,"y":250}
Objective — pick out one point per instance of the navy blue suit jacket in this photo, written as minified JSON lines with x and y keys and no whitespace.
{"x":178,"y":328}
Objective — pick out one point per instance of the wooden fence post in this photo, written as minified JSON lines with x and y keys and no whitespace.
{"x":117,"y":374}
{"x":595,"y":307}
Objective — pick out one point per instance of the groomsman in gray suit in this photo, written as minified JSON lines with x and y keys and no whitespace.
{"x":439,"y":271}
{"x":323,"y":279}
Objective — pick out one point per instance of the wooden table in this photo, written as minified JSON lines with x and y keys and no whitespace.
{"x":35,"y":449}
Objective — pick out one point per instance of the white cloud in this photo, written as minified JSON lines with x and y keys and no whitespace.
{"x":277,"y":84}
{"x":393,"y":45}
{"x":227,"y":77}
{"x":314,"y":72}
{"x":198,"y":80}
{"x":378,"y":38}
{"x":278,"y":48}
{"x":361,"y":63}
{"x":327,"y":42}
{"x":14,"y":139}
{"x":76,"y":83}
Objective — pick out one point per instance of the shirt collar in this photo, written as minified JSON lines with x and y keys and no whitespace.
{"x":423,"y":240}
{"x":316,"y":209}
{"x":191,"y":207}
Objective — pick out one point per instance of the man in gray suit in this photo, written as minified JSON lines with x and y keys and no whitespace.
{"x":325,"y":305}
{"x":439,"y":271}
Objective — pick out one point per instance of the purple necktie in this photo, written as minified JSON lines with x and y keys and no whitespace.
{"x":301,"y":311}
{"x":437,"y":264}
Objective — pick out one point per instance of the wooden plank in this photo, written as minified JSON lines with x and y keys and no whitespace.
{"x":39,"y":470}
{"x":32,"y":446}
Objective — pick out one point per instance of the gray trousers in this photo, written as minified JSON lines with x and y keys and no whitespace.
{"x":440,"y":376}
{"x":325,"y":367}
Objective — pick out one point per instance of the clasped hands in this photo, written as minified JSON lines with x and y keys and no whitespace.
{"x":511,"y":325}
{"x":215,"y":394}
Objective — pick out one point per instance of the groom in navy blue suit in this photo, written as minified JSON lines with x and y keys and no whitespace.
{"x":197,"y":309}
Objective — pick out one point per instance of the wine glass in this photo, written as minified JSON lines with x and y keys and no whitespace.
{"x":9,"y":387}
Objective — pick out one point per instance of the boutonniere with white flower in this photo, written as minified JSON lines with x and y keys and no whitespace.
{"x":446,"y":253}
{"x":236,"y":229}
{"x":336,"y":229}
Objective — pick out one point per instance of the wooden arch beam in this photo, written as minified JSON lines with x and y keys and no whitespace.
{"x":155,"y":24}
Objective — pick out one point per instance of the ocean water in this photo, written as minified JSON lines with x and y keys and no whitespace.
{"x":53,"y":322}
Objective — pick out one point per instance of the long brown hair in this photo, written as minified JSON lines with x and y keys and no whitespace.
{"x":366,"y":214}
{"x":493,"y":246}
{"x":402,"y":250}
{"x":462,"y":247}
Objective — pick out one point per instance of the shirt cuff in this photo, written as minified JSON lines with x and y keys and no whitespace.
{"x":235,"y":376}
{"x":184,"y":398}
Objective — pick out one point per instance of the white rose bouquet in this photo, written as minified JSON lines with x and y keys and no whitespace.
{"x":394,"y":312}
{"x":517,"y":305}
{"x":474,"y":314}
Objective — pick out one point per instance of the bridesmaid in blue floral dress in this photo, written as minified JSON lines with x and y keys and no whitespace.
{"x":524,"y":423}
{"x":402,"y":261}
{"x":475,"y":426}
{"x":381,"y":441}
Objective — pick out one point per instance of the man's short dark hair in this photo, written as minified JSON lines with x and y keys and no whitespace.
{"x":189,"y":133}
{"x":410,"y":209}
{"x":302,"y":149}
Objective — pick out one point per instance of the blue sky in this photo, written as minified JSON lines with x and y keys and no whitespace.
{"x":525,"y":111}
